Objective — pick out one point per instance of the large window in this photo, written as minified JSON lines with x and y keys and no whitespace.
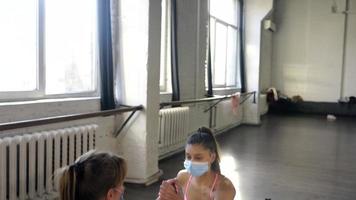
{"x":224,"y":43}
{"x":48,"y":48}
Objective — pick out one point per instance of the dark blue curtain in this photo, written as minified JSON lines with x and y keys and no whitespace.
{"x":242,"y":47}
{"x":209,"y":72}
{"x":209,"y":75}
{"x":174,"y":53}
{"x":105,"y":55}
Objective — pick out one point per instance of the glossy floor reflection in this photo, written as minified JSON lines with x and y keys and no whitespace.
{"x":288,"y":157}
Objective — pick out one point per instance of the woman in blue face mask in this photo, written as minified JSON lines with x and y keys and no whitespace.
{"x":201,"y":178}
{"x":93,"y":176}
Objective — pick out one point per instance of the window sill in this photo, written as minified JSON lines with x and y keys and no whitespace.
{"x":165,"y":93}
{"x":26,"y":110}
{"x":165,"y":96}
{"x":226,"y":91}
{"x":42,"y":101}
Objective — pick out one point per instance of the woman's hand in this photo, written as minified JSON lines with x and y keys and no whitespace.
{"x":169,"y":190}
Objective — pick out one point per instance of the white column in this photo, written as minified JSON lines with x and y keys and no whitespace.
{"x":140,"y":28}
{"x":255,"y":11}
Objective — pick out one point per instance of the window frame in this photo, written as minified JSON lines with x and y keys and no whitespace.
{"x":39,"y":92}
{"x":216,"y":20}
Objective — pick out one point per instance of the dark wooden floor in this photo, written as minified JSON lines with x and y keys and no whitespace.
{"x":297,"y":157}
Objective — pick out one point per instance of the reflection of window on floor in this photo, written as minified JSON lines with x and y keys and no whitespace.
{"x":45,"y":52}
{"x":224,"y":34}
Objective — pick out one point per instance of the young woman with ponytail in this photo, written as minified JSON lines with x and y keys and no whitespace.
{"x":93,"y":176}
{"x":201,"y":178}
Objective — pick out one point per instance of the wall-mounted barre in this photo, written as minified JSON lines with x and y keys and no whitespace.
{"x":65,"y":118}
{"x":245,"y":95}
{"x":218,"y":99}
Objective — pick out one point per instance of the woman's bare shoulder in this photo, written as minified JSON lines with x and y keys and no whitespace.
{"x":182,"y":177}
{"x":225,"y":188}
{"x":225,"y":183}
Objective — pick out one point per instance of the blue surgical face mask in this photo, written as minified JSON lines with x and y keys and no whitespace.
{"x":196,"y":168}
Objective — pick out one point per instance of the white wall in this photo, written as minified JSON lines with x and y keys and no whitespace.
{"x":350,"y":62}
{"x":266,"y":56}
{"x":308,"y":49}
{"x":19,"y":111}
{"x":265,"y":62}
{"x":255,"y":11}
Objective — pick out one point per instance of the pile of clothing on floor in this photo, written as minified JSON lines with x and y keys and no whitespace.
{"x":275,"y":96}
{"x":348,"y":100}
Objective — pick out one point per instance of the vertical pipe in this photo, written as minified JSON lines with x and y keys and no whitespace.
{"x":13,"y":169}
{"x":23,"y":166}
{"x":41,"y":164}
{"x":49,"y":159}
{"x":2,"y":169}
{"x":32,"y":168}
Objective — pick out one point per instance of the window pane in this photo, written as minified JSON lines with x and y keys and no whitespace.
{"x":18,"y":45}
{"x":162,"y":77}
{"x":220,"y":55}
{"x":238,"y":61}
{"x":212,"y":39}
{"x":212,"y":49}
{"x":165,"y":71}
{"x":70,"y":46}
{"x":231,"y":57}
{"x":224,"y":10}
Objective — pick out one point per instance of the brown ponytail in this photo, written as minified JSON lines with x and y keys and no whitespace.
{"x":91,"y":176}
{"x":67,"y":183}
{"x":205,"y":137}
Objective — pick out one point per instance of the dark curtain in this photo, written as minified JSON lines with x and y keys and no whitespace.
{"x":209,"y":72}
{"x":242,"y":47}
{"x":105,"y":55}
{"x":174,"y":53}
{"x":209,"y":75}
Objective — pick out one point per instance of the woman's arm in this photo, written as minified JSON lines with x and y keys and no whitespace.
{"x":169,"y":190}
{"x":172,"y":189}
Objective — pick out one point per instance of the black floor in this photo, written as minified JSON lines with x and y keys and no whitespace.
{"x":298,"y":157}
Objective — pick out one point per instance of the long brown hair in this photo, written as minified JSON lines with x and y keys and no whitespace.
{"x":91,"y":176}
{"x":205,"y":137}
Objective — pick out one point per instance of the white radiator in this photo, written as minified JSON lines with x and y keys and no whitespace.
{"x":173,"y":129}
{"x":27,"y":162}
